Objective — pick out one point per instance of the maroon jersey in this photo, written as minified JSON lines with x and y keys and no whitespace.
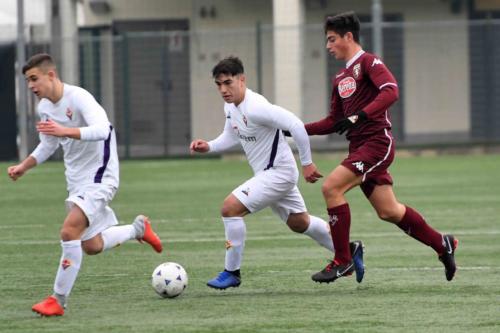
{"x":365,"y":84}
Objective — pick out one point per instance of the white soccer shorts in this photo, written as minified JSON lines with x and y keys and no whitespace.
{"x":275,"y":188}
{"x":93,"y":200}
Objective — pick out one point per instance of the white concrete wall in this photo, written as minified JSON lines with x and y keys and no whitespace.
{"x":436,"y":87}
{"x":436,"y":70}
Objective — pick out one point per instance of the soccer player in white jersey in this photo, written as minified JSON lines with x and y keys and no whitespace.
{"x":256,"y":125}
{"x":72,"y":118}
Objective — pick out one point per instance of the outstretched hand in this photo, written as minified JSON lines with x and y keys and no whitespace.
{"x":15,"y":171}
{"x":311,"y":173}
{"x":199,"y":146}
{"x":50,"y":127}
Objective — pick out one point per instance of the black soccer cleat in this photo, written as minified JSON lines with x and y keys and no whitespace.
{"x":357,"y":249}
{"x":333,"y":271}
{"x":448,"y":256}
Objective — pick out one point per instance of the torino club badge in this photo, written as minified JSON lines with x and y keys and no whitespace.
{"x":356,"y":71}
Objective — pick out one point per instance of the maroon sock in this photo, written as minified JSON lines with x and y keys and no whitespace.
{"x":340,"y":225}
{"x":415,"y":226}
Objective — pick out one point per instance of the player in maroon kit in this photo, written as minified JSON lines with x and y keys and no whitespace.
{"x":362,"y":93}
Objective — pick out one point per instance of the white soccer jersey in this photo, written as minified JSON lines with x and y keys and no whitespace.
{"x":256,"y":124}
{"x":93,"y":158}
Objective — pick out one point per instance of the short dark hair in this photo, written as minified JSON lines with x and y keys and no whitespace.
{"x":228,"y":66}
{"x":344,"y":23}
{"x":43,"y":60}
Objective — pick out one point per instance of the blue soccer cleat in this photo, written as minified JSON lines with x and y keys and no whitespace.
{"x":224,"y":280}
{"x":357,"y":258}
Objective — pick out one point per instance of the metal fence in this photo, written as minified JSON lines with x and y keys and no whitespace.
{"x":157,"y":87}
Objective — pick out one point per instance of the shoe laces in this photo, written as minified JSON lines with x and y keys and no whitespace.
{"x":223,"y":276}
{"x":330,"y":265}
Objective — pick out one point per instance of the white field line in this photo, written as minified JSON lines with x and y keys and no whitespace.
{"x":368,"y":269}
{"x":287,"y":235}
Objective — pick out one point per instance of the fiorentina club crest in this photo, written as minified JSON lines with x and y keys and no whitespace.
{"x":347,"y":87}
{"x":69,"y":113}
{"x":66,"y":263}
{"x":356,"y":71}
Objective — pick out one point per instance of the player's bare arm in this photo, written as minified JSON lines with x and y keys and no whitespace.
{"x":17,"y":171}
{"x":199,"y":146}
{"x":50,"y":127}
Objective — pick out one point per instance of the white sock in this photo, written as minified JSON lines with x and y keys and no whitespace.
{"x":114,"y":236}
{"x":69,"y":266}
{"x":235,"y":241}
{"x":319,"y":230}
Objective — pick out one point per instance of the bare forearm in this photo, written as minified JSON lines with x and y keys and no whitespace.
{"x":28,"y":163}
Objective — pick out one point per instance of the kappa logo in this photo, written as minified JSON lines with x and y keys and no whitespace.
{"x":246,"y":191}
{"x":377,"y":61}
{"x":69,"y":113}
{"x":245,"y":120}
{"x":359,"y":165}
{"x":65,"y":263}
{"x":347,"y":87}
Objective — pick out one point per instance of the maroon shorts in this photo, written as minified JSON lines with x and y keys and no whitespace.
{"x":371,"y":158}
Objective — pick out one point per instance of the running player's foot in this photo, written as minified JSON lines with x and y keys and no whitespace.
{"x":224,"y":280}
{"x":333,"y":271}
{"x":48,"y":307}
{"x":143,"y":226}
{"x":357,"y":249}
{"x":448,"y":256}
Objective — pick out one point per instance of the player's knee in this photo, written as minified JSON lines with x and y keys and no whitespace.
{"x":297,"y":227}
{"x":227,"y":210}
{"x":389,"y":215}
{"x":329,"y":190}
{"x":68,"y":234}
{"x":91,"y":250}
{"x":297,"y":224}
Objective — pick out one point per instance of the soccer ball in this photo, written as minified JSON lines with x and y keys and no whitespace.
{"x":169,"y":279}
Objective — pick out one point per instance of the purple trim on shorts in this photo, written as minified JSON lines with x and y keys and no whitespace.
{"x":273,"y":150}
{"x":100,"y":171}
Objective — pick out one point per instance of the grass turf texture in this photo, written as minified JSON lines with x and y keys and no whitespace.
{"x":404,"y":287}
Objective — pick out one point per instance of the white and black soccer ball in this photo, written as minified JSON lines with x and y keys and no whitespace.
{"x":169,"y":279}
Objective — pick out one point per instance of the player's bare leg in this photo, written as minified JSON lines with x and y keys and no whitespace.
{"x":412,"y":223}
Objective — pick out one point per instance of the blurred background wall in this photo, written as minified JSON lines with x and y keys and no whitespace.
{"x":148,"y":62}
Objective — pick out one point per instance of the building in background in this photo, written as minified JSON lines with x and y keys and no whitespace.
{"x":149,"y":62}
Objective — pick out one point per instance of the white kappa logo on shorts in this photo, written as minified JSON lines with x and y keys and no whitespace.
{"x":359,"y":165}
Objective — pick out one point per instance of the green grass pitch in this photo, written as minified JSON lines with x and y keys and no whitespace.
{"x":404,"y":288}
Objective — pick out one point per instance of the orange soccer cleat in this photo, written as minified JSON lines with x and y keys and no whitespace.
{"x":149,"y":235}
{"x":48,"y":307}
